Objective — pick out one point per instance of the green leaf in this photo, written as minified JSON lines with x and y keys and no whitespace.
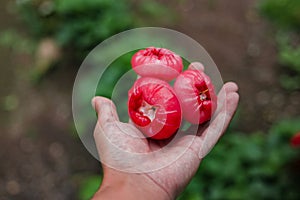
{"x":89,"y":186}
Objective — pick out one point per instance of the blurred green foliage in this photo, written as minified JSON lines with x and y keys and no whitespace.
{"x":112,"y":74}
{"x":289,"y":57}
{"x":77,"y":26}
{"x":250,"y":166}
{"x":82,"y":24}
{"x":89,"y":186}
{"x":11,"y":39}
{"x":285,"y":15}
{"x":109,"y":87}
{"x":10,"y":102}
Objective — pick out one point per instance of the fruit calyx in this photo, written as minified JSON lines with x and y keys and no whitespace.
{"x":148,"y":110}
{"x":143,"y":113}
{"x":158,"y":52}
{"x":154,"y":51}
{"x":203,"y":96}
{"x":203,"y":92}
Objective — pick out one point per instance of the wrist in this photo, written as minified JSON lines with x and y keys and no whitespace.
{"x":121,"y":185}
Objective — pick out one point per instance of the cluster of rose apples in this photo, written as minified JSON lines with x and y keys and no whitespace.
{"x":155,"y":107}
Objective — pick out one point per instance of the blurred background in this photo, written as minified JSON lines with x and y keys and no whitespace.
{"x":254,"y":43}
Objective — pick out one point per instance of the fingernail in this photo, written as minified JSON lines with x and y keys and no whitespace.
{"x":93,"y":102}
{"x":196,"y":66}
{"x":232,"y":87}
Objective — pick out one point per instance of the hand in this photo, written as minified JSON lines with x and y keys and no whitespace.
{"x":164,"y":183}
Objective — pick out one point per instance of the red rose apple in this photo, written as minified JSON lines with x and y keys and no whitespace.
{"x":197,"y":96}
{"x":157,"y":62}
{"x":295,"y":140}
{"x":154,"y":108}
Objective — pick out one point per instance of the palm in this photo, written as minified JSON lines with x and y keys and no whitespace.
{"x":116,"y":140}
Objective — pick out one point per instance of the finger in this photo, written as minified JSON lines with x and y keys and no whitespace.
{"x":227,"y":88}
{"x":113,"y":137}
{"x":106,"y":110}
{"x":231,"y":87}
{"x":222,"y":95}
{"x":196,"y":66}
{"x":209,"y":133}
{"x":109,"y":121}
{"x":218,"y":126}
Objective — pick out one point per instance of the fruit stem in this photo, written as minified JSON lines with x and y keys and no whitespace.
{"x":203,"y":95}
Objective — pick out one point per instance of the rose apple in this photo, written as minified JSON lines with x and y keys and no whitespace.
{"x":295,"y":140}
{"x":196,"y":94}
{"x":157,"y":62}
{"x":154,"y":108}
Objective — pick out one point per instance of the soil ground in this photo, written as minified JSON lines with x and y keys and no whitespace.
{"x":41,"y":159}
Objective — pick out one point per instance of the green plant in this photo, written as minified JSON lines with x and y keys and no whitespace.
{"x":17,"y":43}
{"x":285,"y":15}
{"x":76,"y":26}
{"x":249,"y":166}
{"x":289,"y":55}
{"x":89,"y":186}
{"x":82,"y":24}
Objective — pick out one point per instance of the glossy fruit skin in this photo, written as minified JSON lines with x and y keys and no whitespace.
{"x":157,"y":62}
{"x":153,"y":97}
{"x":196,"y":94}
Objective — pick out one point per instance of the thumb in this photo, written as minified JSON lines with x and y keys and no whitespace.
{"x":105,"y":109}
{"x":116,"y":147}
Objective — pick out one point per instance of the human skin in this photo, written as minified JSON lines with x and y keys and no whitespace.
{"x":167,"y":182}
